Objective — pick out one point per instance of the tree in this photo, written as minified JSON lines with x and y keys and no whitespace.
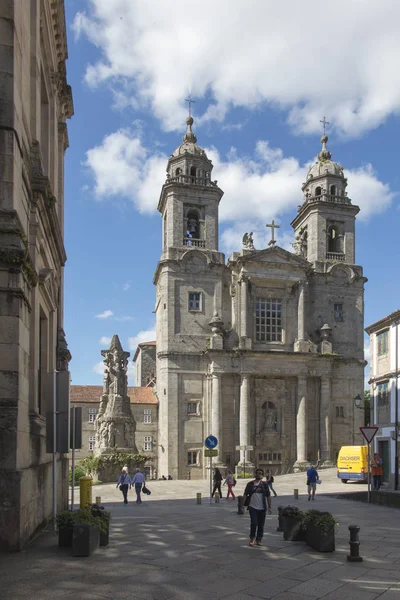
{"x":367,"y":407}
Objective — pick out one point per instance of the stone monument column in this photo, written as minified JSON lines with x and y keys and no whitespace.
{"x":301,"y":424}
{"x":325,"y":420}
{"x":244,"y":437}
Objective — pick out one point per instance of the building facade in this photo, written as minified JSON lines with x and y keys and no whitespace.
{"x":264,"y":350}
{"x":35,"y":102}
{"x":144,"y":408}
{"x":384,"y":392}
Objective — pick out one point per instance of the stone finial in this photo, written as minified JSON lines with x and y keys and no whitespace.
{"x":247,"y":241}
{"x":324,"y":154}
{"x":189,"y":137}
{"x":216,"y":324}
{"x":326,"y":332}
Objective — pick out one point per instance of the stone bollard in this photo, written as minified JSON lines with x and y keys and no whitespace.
{"x":98,"y":499}
{"x":354,"y":544}
{"x":216,"y":498}
{"x":240,"y":507}
{"x":280,"y":519}
{"x":296,"y":494}
{"x":198,"y":496}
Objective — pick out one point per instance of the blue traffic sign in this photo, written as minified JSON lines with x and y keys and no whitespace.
{"x":211,"y":442}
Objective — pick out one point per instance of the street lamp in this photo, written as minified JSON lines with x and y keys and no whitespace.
{"x":358,"y":402}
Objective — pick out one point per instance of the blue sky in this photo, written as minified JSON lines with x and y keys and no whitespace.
{"x":261,"y":82}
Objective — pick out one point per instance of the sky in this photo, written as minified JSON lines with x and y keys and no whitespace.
{"x":262,"y":74}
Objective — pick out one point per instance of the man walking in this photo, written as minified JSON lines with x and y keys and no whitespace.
{"x":257,"y":498}
{"x":124,"y":482}
{"x":377,"y":471}
{"x":139,"y":480}
{"x":312,"y":476}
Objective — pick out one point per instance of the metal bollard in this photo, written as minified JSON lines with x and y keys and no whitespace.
{"x":98,"y":499}
{"x":198,"y":496}
{"x":296,"y":494}
{"x":240,"y":506}
{"x":280,"y":518}
{"x":354,"y":544}
{"x":216,"y":498}
{"x":85,"y":491}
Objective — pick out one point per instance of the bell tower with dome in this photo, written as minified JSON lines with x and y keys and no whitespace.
{"x":325,"y":223}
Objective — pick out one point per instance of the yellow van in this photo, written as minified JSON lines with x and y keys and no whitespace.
{"x":352,"y":463}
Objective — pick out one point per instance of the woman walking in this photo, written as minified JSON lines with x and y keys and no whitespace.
{"x":217,"y":483}
{"x":270,"y":480}
{"x":124,"y":483}
{"x":230,"y":482}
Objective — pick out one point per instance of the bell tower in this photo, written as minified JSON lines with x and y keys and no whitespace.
{"x":325,"y":224}
{"x":189,"y":198}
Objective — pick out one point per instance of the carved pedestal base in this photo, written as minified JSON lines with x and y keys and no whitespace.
{"x":300,"y":466}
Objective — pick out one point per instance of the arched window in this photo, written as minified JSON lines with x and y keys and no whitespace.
{"x":333,"y":190}
{"x":270,"y":417}
{"x":318,"y":191}
{"x":193,"y":171}
{"x":178,"y":172}
{"x":193,"y":224}
{"x":335,"y":240}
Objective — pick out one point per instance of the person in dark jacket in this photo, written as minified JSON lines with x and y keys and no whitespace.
{"x":257,"y":498}
{"x":217,"y":483}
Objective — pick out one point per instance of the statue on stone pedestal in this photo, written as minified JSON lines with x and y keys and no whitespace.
{"x":115,"y":425}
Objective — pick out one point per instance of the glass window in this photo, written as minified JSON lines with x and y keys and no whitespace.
{"x":338,"y":310}
{"x":192,"y":408}
{"x":268,"y":320}
{"x":193,"y":457}
{"x":92,"y":415}
{"x":147,"y":415}
{"x":383,"y":393}
{"x":147,"y":442}
{"x":340,"y":412}
{"x":382,"y":341}
{"x":92,"y":440}
{"x":194,"y":301}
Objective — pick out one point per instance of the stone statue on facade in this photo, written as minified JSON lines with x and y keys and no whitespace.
{"x":115,"y":425}
{"x":247,"y":241}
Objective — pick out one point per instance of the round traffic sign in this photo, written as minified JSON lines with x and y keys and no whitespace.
{"x":211,"y":442}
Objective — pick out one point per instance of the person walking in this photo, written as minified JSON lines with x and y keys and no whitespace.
{"x":312,"y":477}
{"x":139,"y":481}
{"x":217,"y":483}
{"x":377,"y":471}
{"x":270,"y":480}
{"x":230,"y":481}
{"x":124,"y":483}
{"x":257,"y":498}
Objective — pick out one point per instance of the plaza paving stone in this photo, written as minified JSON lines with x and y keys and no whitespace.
{"x":171,"y":548}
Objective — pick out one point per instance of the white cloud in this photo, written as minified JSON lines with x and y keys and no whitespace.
{"x":258,"y":187}
{"x":98,"y":368}
{"x":105,"y":315}
{"x":147,"y":335}
{"x":122,"y":166}
{"x":339,"y":60}
{"x":126,"y":286}
{"x":105,"y":341}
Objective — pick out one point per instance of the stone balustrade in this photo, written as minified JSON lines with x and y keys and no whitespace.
{"x":193,"y":242}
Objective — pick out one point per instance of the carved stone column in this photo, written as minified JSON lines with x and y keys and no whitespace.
{"x":301,"y":344}
{"x":243,"y":312}
{"x":325,"y":420}
{"x":244,"y":418}
{"x":301,"y":424}
{"x":216,"y":429}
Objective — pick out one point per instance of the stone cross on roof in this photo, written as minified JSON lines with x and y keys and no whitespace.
{"x":324,"y":124}
{"x":273,"y":227}
{"x":190,"y":102}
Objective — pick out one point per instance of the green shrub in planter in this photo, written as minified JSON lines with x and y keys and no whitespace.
{"x":64,"y":523}
{"x":320,"y":530}
{"x":98,"y":511}
{"x":86,"y":532}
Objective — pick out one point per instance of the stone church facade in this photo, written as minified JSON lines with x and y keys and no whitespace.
{"x":35,"y":102}
{"x":264,"y":350}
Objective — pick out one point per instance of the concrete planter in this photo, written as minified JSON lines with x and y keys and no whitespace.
{"x":323,"y":541}
{"x":292,"y":531}
{"x":65,"y":537}
{"x":85,"y":540}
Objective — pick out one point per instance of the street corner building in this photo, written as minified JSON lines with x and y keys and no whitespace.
{"x":263,"y":350}
{"x":35,"y":102}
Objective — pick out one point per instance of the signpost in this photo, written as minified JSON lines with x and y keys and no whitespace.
{"x":211,"y":443}
{"x":244,"y":448}
{"x":369,"y":433}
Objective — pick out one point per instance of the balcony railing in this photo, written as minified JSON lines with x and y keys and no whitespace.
{"x":328,"y":198}
{"x":335,"y":256}
{"x":194,"y":243}
{"x":190,"y":180}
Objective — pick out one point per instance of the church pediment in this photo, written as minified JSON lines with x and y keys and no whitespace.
{"x":275,"y":256}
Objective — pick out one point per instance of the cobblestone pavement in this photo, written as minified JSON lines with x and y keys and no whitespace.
{"x":170,"y":547}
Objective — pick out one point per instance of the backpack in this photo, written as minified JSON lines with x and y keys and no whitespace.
{"x":271,"y":479}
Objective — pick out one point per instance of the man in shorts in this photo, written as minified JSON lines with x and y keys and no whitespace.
{"x":312,"y":476}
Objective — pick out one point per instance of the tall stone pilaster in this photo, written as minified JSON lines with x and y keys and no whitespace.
{"x":244,"y":435}
{"x":216,"y":415}
{"x":301,"y":424}
{"x":325,"y":420}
